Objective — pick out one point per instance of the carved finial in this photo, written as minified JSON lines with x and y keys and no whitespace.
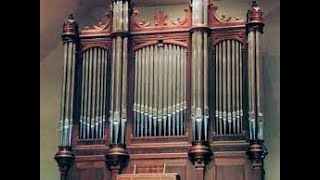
{"x":254,"y":13}
{"x":71,"y":17}
{"x":254,"y":3}
{"x":70,"y":27}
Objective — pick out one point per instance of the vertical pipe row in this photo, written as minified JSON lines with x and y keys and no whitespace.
{"x":159,"y":90}
{"x":93,"y":95}
{"x":228,"y":87}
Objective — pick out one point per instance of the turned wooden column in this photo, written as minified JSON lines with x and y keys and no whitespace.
{"x":200,"y":154}
{"x":116,"y":159}
{"x":64,"y":158}
{"x":257,"y":152}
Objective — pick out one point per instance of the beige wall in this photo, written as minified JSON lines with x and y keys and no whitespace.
{"x":271,"y":76}
{"x":51,"y":73}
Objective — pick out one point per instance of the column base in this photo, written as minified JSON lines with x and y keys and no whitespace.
{"x":257,"y":152}
{"x":116,"y":158}
{"x":65,"y":159}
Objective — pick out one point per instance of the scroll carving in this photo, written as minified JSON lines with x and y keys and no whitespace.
{"x":223,"y":19}
{"x":161,"y":19}
{"x":101,"y":26}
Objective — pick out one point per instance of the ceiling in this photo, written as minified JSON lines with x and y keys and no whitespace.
{"x":54,"y":13}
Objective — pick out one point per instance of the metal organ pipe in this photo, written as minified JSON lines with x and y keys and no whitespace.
{"x":104,"y":87}
{"x":156,"y":88}
{"x":165,"y":89}
{"x":205,"y":82}
{"x":162,"y":79}
{"x":228,"y":61}
{"x":98,"y":97}
{"x":135,"y":116}
{"x":216,"y":89}
{"x":124,"y":87}
{"x":151,"y":69}
{"x":237,"y":85}
{"x":220,"y":88}
{"x":112,"y":102}
{"x":170,"y":83}
{"x":63,"y":94}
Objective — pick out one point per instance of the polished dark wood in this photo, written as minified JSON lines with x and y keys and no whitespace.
{"x":116,"y":158}
{"x":64,"y":158}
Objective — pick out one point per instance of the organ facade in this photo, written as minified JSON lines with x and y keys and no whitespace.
{"x":173,"y":99}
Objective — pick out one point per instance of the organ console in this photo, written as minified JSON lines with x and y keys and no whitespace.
{"x":183,"y":93}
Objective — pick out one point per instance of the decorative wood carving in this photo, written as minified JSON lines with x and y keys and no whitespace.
{"x":100,"y":28}
{"x":223,"y":21}
{"x":161,"y":20}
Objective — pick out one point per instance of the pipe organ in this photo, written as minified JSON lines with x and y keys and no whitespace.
{"x":174,"y":98}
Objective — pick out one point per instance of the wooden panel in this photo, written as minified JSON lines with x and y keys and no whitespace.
{"x":230,"y":166}
{"x":162,"y":176}
{"x":85,"y":170}
{"x":181,"y":167}
{"x":230,"y":172}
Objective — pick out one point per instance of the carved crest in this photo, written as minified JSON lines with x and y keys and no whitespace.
{"x":223,"y":20}
{"x":106,"y":26}
{"x":161,"y":19}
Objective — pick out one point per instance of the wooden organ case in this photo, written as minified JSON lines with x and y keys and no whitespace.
{"x":176,"y":99}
